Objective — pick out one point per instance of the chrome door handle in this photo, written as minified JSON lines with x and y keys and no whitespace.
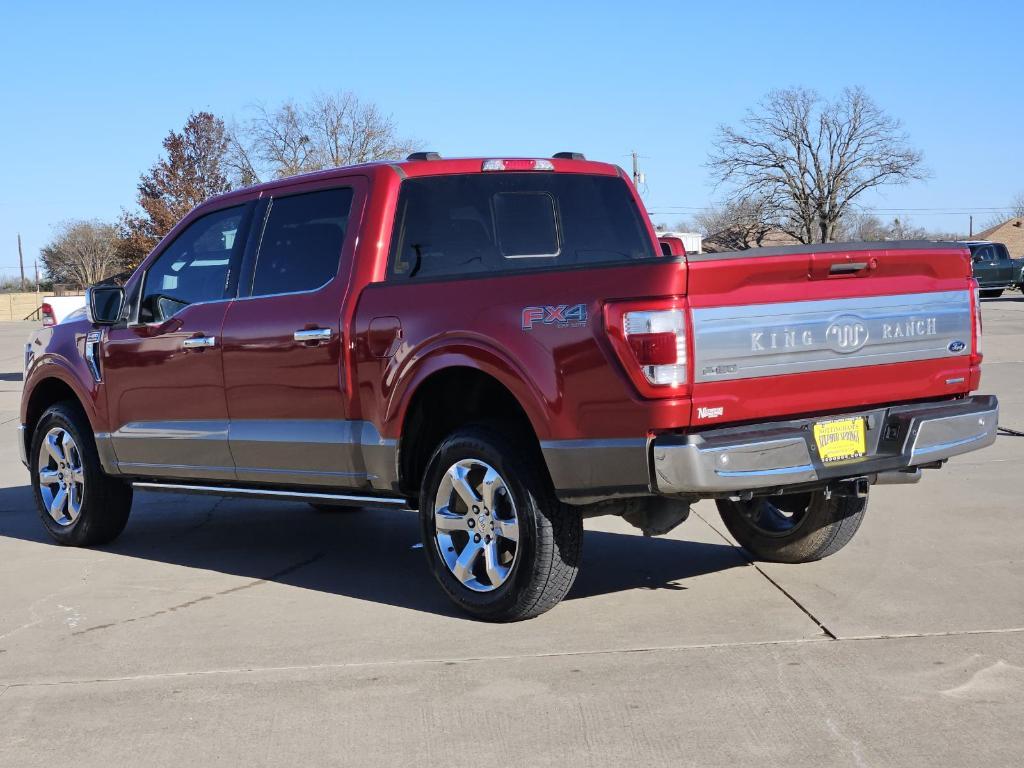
{"x":200,"y":342}
{"x":314,"y":334}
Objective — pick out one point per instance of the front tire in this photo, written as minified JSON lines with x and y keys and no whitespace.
{"x":499,"y":543}
{"x":793,"y":528}
{"x":990,"y":294}
{"x":79,"y":505}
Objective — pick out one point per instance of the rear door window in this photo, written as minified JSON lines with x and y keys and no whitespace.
{"x":300,"y":249}
{"x":501,"y":222}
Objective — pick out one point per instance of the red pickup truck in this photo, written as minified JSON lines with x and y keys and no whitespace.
{"x":500,"y":344}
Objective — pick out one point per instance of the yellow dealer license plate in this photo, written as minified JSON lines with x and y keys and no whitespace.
{"x":840,"y":439}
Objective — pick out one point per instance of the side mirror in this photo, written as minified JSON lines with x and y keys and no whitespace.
{"x":103,"y":304}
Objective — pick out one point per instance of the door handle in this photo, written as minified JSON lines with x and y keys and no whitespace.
{"x":200,"y":342}
{"x":314,"y":334}
{"x":847,"y":267}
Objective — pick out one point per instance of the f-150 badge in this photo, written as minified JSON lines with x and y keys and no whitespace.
{"x":560,"y":316}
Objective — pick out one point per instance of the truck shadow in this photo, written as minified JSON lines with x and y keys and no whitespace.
{"x":1006,"y":298}
{"x":365,"y":554}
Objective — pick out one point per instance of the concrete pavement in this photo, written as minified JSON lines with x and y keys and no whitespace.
{"x":255,"y":633}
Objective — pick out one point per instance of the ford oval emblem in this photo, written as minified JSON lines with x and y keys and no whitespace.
{"x":846,"y":334}
{"x":956,"y":347}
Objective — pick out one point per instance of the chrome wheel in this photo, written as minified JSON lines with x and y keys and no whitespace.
{"x":777,"y":515}
{"x":476,"y":526}
{"x":61,"y":476}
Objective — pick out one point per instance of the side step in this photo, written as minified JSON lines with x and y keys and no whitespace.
{"x":273,"y":495}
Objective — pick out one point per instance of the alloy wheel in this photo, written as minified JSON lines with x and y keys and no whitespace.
{"x":476,"y":525}
{"x":61,"y":476}
{"x":777,"y":515}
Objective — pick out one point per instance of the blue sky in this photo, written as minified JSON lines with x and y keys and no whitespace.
{"x":89,"y":89}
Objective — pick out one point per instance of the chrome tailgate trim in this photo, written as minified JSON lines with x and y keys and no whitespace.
{"x":750,"y":341}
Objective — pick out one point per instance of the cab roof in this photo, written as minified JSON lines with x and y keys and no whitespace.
{"x":432,"y":167}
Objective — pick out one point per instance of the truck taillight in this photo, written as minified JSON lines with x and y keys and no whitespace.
{"x":976,"y":354}
{"x":517,"y":164}
{"x":658,"y":342}
{"x":651,"y":342}
{"x":46,"y":311}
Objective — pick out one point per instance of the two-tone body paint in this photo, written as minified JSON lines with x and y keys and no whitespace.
{"x":569,"y":380}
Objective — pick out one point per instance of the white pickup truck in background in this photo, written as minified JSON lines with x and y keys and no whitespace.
{"x":57,"y":309}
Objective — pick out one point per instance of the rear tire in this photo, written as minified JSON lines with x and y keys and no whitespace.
{"x":79,"y":505}
{"x":498,"y":541}
{"x":991,"y":294}
{"x":794,"y":528}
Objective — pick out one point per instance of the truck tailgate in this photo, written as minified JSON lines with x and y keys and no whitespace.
{"x":812,"y":329}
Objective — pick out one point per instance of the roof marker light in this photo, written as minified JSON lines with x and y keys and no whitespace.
{"x":517,"y":165}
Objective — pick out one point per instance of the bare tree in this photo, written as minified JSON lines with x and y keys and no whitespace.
{"x":681,"y":225}
{"x":331,"y":130}
{"x":739,"y":224}
{"x":1017,"y":206}
{"x":811,"y":158}
{"x":866,"y":227}
{"x":82,"y":252}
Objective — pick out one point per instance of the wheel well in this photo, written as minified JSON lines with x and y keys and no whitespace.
{"x":449,"y":399}
{"x":46,"y":393}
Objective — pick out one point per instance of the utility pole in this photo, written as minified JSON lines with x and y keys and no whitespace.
{"x":21,"y":262}
{"x":971,"y":227}
{"x":636,"y":172}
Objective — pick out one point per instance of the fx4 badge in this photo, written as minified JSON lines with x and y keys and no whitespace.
{"x":560,"y":316}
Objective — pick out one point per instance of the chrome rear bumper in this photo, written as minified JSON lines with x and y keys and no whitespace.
{"x":778,"y":454}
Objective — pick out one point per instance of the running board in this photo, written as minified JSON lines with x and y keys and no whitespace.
{"x":272,"y":495}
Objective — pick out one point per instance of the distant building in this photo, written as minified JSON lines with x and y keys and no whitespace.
{"x":1010,"y":233}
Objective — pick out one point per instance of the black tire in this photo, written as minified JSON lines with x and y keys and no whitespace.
{"x":795,"y":528}
{"x":990,"y":294}
{"x":550,"y":533}
{"x":105,"y":501}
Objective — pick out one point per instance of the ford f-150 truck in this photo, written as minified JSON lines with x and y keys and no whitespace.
{"x":994,"y":270}
{"x":500,"y":344}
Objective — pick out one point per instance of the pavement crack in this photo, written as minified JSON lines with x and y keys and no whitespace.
{"x":205,"y":598}
{"x":446,"y":661}
{"x":807,"y":612}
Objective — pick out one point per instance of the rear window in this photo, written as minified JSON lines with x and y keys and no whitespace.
{"x":500,"y":222}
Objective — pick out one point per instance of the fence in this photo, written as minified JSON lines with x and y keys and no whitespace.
{"x":20,"y":306}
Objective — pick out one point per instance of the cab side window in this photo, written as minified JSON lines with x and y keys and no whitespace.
{"x":194,"y":268}
{"x":984,"y":253}
{"x":301,"y":245}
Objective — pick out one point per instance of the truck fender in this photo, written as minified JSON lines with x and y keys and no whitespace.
{"x":466,"y":353}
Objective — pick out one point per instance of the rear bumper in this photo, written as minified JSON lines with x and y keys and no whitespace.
{"x":779,"y":454}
